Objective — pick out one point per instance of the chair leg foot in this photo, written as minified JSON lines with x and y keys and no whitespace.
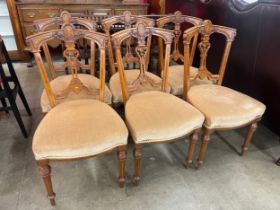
{"x":122,"y":150}
{"x":45,"y":172}
{"x":203,"y":147}
{"x":191,"y":149}
{"x":248,"y":137}
{"x":137,"y":153}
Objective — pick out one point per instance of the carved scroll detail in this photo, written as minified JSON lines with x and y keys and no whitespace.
{"x":141,"y":33}
{"x":73,"y":64}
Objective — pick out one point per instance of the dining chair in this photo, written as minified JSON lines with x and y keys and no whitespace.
{"x":76,"y":129}
{"x":65,"y":86}
{"x":10,"y":92}
{"x":223,"y":108}
{"x":177,"y":22}
{"x":153,"y":116}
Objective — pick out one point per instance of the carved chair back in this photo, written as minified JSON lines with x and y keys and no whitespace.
{"x":177,"y":20}
{"x":205,"y":31}
{"x":69,"y":35}
{"x":141,"y":33}
{"x":127,"y":20}
{"x":58,"y":22}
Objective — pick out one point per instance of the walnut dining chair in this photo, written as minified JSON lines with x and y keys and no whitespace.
{"x":154,"y":116}
{"x":63,"y":85}
{"x":223,"y":108}
{"x":81,"y":128}
{"x":176,"y":22}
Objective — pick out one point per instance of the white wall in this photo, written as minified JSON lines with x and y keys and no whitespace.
{"x":6,"y":29}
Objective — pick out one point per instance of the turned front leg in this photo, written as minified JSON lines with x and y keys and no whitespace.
{"x":248,"y":137}
{"x":203,"y":147}
{"x":122,"y":158}
{"x":137,"y":153}
{"x":45,"y":172}
{"x":191,"y":148}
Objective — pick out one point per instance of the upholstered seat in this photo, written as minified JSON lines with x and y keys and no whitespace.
{"x":131,"y":75}
{"x":157,"y":116}
{"x":78,"y":128}
{"x":224,"y":107}
{"x":60,"y":83}
{"x":176,"y":79}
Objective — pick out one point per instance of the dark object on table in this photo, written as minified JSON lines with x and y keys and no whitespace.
{"x":10,"y":93}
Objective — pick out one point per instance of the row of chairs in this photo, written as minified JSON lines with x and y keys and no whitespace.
{"x":78,"y":127}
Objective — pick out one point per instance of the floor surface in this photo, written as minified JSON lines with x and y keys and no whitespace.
{"x":227,"y":180}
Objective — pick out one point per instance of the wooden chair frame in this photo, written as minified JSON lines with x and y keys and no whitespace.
{"x":141,"y":33}
{"x":69,"y":35}
{"x":206,"y":30}
{"x":128,"y":20}
{"x":177,"y":19}
{"x":66,"y":18}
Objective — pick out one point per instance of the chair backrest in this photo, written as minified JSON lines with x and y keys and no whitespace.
{"x":205,"y":31}
{"x":69,"y":35}
{"x":127,"y":20}
{"x":141,"y":33}
{"x":177,"y":20}
{"x":56,"y":23}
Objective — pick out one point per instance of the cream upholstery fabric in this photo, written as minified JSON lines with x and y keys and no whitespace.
{"x":176,"y":78}
{"x":156,"y":116}
{"x":78,"y":128}
{"x":224,"y":107}
{"x":62,"y":82}
{"x":131,"y":75}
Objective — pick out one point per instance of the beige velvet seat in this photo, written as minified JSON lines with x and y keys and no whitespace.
{"x":224,"y":107}
{"x":77,"y":129}
{"x":176,"y":79}
{"x":61,"y":83}
{"x":171,"y":119}
{"x":131,"y":75}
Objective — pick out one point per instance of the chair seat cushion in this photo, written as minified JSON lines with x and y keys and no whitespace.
{"x":131,"y":75}
{"x":156,"y":116}
{"x":62,"y":82}
{"x":78,"y":128}
{"x":176,"y":79}
{"x":224,"y":107}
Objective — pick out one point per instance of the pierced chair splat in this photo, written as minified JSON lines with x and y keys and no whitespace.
{"x":177,"y":22}
{"x":56,"y":23}
{"x":127,"y":20}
